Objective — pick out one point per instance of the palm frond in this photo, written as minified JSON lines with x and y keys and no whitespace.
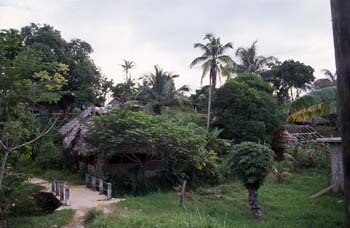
{"x":316,"y":103}
{"x":198,"y":60}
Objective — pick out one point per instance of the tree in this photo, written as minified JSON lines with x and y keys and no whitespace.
{"x":246,"y":110}
{"x":251,"y":163}
{"x":213,"y":60}
{"x":341,"y":33}
{"x":250,"y":61}
{"x":128,"y":65}
{"x":289,"y":79}
{"x":84,"y":79}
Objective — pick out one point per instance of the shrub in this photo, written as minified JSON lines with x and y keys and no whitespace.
{"x":124,"y":133}
{"x":48,"y":155}
{"x":251,"y":163}
{"x":246,"y":110}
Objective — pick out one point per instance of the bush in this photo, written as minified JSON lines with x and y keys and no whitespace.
{"x":251,"y":163}
{"x":126,"y":133}
{"x":246,"y":110}
{"x":48,"y":155}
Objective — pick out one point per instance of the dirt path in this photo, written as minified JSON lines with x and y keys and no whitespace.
{"x":82,"y":200}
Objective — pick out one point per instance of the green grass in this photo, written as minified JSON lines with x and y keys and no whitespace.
{"x":285,"y":204}
{"x":58,"y":174}
{"x":56,"y":219}
{"x":26,"y":213}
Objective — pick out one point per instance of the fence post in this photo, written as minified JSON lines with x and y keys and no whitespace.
{"x":67,"y":197}
{"x":94,"y":183}
{"x":57,"y":188}
{"x":100,"y":186}
{"x":109,"y":190}
{"x":53,"y":185}
{"x":62,"y":192}
{"x":87,"y":180}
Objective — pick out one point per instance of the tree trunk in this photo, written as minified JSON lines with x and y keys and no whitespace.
{"x":209,"y":104}
{"x":3,"y":167}
{"x":254,"y":204}
{"x":3,"y":223}
{"x":341,"y":34}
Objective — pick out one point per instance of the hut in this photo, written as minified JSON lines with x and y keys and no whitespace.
{"x":126,"y":159}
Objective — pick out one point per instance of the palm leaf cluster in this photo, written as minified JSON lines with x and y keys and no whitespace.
{"x":250,"y":61}
{"x":158,"y":90}
{"x":314,"y":104}
{"x":213,"y":59}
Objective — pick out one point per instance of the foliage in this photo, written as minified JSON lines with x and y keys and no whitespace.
{"x":122,"y":132}
{"x":125,"y":91}
{"x":49,"y":155}
{"x":288,"y":77}
{"x":158,"y":90}
{"x":286,"y":204}
{"x":250,"y":62}
{"x":251,"y":163}
{"x":213,"y":61}
{"x":314,"y":104}
{"x":311,"y":155}
{"x":200,"y":99}
{"x":245,"y":110}
{"x":84,"y":81}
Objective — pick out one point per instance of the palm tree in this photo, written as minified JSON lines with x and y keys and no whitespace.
{"x":250,"y":61}
{"x":329,"y":74}
{"x":159,"y":90}
{"x":213,"y":61}
{"x":128,"y":65}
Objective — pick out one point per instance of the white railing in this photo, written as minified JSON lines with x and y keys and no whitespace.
{"x":61,"y":191}
{"x":103,"y":187}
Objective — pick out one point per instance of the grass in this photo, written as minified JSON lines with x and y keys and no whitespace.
{"x":286,"y":204}
{"x":56,"y":219}
{"x":26,"y":213}
{"x":58,"y":174}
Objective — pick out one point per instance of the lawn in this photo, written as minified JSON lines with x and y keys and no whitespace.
{"x":286,"y":204}
{"x":27,"y":213}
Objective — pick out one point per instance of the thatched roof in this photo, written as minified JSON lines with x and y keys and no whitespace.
{"x":73,"y":132}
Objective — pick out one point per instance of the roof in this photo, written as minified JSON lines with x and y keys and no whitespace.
{"x":73,"y":132}
{"x":303,"y":133}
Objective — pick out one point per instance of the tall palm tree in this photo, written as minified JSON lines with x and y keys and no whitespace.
{"x":329,"y":74}
{"x":127,"y":66}
{"x":250,"y":61}
{"x":213,"y":61}
{"x":159,"y":90}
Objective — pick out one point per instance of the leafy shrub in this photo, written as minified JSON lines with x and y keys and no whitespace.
{"x":124,"y":133}
{"x":48,"y":155}
{"x":251,"y":163}
{"x":246,"y":110}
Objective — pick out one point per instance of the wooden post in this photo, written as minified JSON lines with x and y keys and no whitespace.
{"x":87,"y":180}
{"x":93,"y":183}
{"x":341,"y":35}
{"x":182,"y":194}
{"x":109,"y":190}
{"x":57,"y":188}
{"x":67,"y":197}
{"x":61,"y":192}
{"x":100,"y":186}
{"x":53,"y":185}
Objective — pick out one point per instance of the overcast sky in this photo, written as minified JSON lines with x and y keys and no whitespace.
{"x":162,"y":32}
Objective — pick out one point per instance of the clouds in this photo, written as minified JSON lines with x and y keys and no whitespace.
{"x":163,"y":31}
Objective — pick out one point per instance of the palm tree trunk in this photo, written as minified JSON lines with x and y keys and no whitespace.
{"x":254,"y":204}
{"x":209,"y":104}
{"x":341,"y":35}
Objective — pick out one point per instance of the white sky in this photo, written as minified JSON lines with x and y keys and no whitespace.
{"x":162,"y":32}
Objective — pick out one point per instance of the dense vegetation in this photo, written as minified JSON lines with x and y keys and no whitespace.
{"x":42,"y":75}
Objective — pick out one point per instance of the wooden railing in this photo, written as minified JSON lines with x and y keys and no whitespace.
{"x":61,"y":191}
{"x":103,"y":187}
